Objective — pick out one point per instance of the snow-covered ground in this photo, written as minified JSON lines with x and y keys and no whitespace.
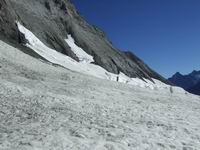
{"x":47,"y":107}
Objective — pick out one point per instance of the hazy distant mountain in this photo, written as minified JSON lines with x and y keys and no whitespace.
{"x":195,"y":89}
{"x":190,"y":82}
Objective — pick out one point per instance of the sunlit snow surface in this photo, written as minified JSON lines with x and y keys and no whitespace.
{"x":46,"y":107}
{"x":84,"y":66}
{"x":53,"y":56}
{"x":81,"y":54}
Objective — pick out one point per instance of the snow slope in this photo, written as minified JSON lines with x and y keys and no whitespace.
{"x":46,"y":107}
{"x":81,"y":54}
{"x":85,"y":66}
{"x":55,"y":57}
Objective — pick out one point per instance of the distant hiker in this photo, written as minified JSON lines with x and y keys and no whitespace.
{"x":117,"y":78}
{"x":171,"y":89}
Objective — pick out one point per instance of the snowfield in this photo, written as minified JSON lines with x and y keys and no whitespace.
{"x":85,"y":62}
{"x":47,"y":107}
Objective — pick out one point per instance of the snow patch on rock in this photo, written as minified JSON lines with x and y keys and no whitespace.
{"x":80,"y":53}
{"x":85,"y":66}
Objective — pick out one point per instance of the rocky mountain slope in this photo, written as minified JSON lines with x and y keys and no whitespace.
{"x":53,"y":20}
{"x":189,"y":82}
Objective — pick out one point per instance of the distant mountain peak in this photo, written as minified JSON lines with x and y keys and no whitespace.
{"x":177,"y":74}
{"x":189,"y":82}
{"x":194,"y":72}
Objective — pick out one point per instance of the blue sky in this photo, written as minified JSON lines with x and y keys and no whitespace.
{"x":163,"y":33}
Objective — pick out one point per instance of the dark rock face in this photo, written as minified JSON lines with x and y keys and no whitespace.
{"x":52,"y":20}
{"x":195,"y":89}
{"x":145,"y":67}
{"x":186,"y":81}
{"x":190,"y":82}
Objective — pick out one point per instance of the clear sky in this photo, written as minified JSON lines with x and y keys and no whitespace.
{"x":163,"y":33}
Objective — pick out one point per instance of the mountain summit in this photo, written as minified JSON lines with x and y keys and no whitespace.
{"x":53,"y":21}
{"x":190,"y":82}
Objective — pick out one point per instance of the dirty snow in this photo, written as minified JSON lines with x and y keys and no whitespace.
{"x":47,"y":107}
